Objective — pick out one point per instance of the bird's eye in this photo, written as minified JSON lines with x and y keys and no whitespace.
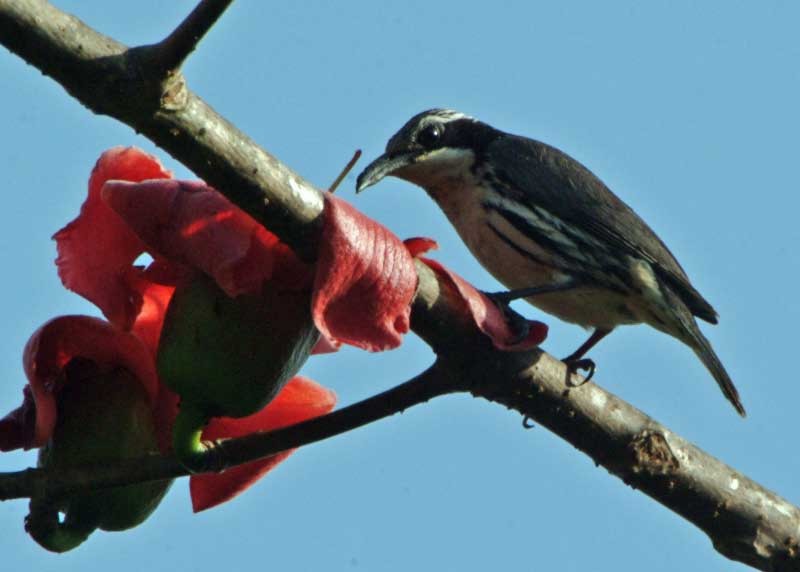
{"x":430,"y":135}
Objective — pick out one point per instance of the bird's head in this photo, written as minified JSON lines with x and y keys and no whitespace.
{"x":433,"y":146}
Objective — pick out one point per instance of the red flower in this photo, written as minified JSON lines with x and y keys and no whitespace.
{"x":201,"y":230}
{"x":188,"y":226}
{"x":91,"y":399}
{"x":49,"y":351}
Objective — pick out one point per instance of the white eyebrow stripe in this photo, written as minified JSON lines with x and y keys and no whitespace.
{"x":447,"y":114}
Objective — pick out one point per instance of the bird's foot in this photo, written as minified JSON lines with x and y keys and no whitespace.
{"x":519,"y":325}
{"x":508,"y":296}
{"x":503,"y":298}
{"x":584,"y":364}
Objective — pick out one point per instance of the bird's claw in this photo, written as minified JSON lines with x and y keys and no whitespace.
{"x":585,"y":364}
{"x":503,"y":298}
{"x":520,"y":327}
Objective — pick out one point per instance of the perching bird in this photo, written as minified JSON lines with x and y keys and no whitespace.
{"x":549,"y":230}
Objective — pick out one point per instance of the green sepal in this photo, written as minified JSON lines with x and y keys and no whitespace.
{"x":103,"y":417}
{"x":231,"y":356}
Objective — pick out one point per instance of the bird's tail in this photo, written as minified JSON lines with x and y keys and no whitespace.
{"x":677,"y":320}
{"x":685,"y":328}
{"x":702,"y":347}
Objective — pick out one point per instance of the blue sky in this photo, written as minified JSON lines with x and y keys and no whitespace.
{"x":687,"y":110}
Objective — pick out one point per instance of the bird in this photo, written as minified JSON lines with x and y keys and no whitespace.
{"x":551,"y":231}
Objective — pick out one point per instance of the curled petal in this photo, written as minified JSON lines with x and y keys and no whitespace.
{"x":299,"y":400}
{"x":419,"y":245}
{"x":60,"y":340}
{"x":326,"y":345}
{"x":190,"y":223}
{"x":486,"y":315}
{"x":96,"y":249}
{"x":365,"y":280}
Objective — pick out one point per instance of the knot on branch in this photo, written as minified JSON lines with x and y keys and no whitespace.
{"x":652,"y":454}
{"x":174,"y":93}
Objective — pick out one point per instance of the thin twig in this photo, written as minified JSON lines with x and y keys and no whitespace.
{"x":174,"y":49}
{"x":347,"y":168}
{"x":226,"y":453}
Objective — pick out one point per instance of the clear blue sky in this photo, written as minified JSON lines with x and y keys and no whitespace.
{"x":687,"y":110}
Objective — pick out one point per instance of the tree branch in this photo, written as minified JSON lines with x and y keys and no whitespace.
{"x":173,"y":50}
{"x":225,"y":453}
{"x":745,"y":521}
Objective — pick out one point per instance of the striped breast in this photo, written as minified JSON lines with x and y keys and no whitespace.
{"x":525,"y":247}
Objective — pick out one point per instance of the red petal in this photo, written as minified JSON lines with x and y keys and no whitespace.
{"x":191,"y":223}
{"x":486,"y":315}
{"x":155,"y":287}
{"x":365,"y":280}
{"x":95,"y":249}
{"x":299,"y":400}
{"x":325,"y":345}
{"x":419,"y":245}
{"x":58,"y":341}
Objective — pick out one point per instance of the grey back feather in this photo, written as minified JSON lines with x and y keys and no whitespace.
{"x":553,"y":180}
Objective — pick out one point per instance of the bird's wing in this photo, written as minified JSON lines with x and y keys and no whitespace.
{"x":541,"y":175}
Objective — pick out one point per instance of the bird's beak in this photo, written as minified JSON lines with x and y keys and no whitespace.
{"x":383,"y":166}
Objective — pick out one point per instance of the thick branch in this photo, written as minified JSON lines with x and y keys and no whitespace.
{"x":745,"y":521}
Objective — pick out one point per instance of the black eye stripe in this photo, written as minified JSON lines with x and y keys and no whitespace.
{"x":454,"y":130}
{"x":430,"y":135}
